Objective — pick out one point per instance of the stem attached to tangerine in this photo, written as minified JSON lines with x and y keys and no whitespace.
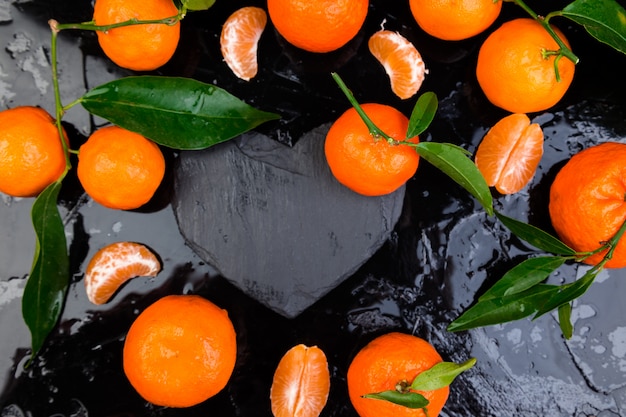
{"x":374,"y":130}
{"x":58,"y":106}
{"x":564,"y":50}
{"x":172,"y":20}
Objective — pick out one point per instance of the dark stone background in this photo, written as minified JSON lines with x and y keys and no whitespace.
{"x":443,"y":251}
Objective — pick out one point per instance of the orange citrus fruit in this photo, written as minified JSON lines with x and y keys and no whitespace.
{"x":587,"y":201}
{"x":180,"y":351}
{"x":318,"y":26}
{"x":509,"y":153}
{"x":140,"y":47}
{"x":120,"y":169}
{"x":301,"y":383}
{"x":454,"y":20}
{"x":240,"y":38}
{"x":114,"y":264}
{"x":31,"y":152}
{"x":388,"y":361}
{"x":366,"y":164}
{"x":514,"y":71}
{"x":401,"y":60}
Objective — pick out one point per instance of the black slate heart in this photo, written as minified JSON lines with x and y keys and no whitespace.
{"x":274,"y":221}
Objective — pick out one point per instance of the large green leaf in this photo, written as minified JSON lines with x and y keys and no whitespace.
{"x":180,"y":113}
{"x":504,"y":309}
{"x":524,"y":275}
{"x":47,"y":284}
{"x":535,"y":236}
{"x":454,"y":162}
{"x":605,"y":20}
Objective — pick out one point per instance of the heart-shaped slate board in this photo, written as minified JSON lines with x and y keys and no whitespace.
{"x":274,"y":221}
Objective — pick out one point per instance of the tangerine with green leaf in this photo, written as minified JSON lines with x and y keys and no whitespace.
{"x":368,"y":164}
{"x":389,"y":363}
{"x":588,"y":201}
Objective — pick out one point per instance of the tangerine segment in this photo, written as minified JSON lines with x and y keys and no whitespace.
{"x":239,"y":40}
{"x":301,"y":383}
{"x":587,"y":201}
{"x":370,"y":165}
{"x":180,"y":351}
{"x":401,"y":60}
{"x":113,"y":265}
{"x":385,"y":362}
{"x":510,"y":152}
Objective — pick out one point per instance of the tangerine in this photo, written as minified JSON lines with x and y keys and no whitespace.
{"x":366,"y":164}
{"x":388,"y":360}
{"x":301,"y":383}
{"x":510,"y":152}
{"x":318,"y":26}
{"x":120,"y":169}
{"x":401,"y":60}
{"x":454,"y":20}
{"x":31,"y":152}
{"x":239,"y":40}
{"x":587,"y":201}
{"x":111,"y":266}
{"x":516,"y":67}
{"x":180,"y":351}
{"x":139,"y":47}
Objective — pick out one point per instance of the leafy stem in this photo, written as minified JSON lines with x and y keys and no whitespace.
{"x":91,"y":25}
{"x":58,"y":106}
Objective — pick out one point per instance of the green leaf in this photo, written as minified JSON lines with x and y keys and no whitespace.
{"x":565,"y":320}
{"x":198,"y":4}
{"x":524,"y":275}
{"x":454,"y":162}
{"x":568,"y":292}
{"x":409,"y":399}
{"x":440,"y":375}
{"x":535,"y":236}
{"x":504,"y":309}
{"x":605,"y":20}
{"x":423,"y":114}
{"x":180,"y":113}
{"x":47,"y":283}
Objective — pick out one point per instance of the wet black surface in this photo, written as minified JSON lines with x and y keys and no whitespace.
{"x":443,"y":251}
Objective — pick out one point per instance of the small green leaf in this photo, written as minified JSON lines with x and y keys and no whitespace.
{"x":565,"y":320}
{"x":180,"y":113}
{"x":454,"y":162}
{"x":423,"y":114}
{"x":524,"y":275}
{"x":197,"y":5}
{"x":47,"y":283}
{"x":605,"y":20}
{"x":440,"y":375}
{"x":568,"y":292}
{"x":535,"y":236}
{"x":409,"y":399}
{"x":504,"y":309}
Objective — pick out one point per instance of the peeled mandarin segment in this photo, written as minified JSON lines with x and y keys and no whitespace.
{"x":401,"y":60}
{"x":510,"y":152}
{"x":115,"y":264}
{"x":239,"y":40}
{"x":301,"y":383}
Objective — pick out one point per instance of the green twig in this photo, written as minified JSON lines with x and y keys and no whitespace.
{"x":170,"y":21}
{"x":58,"y":105}
{"x":374,"y":130}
